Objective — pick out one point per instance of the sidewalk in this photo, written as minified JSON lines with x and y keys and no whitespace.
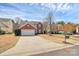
{"x":34,"y":45}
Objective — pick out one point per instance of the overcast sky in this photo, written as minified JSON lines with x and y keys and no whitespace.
{"x":67,"y":12}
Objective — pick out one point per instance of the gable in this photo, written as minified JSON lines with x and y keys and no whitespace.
{"x":27,"y":26}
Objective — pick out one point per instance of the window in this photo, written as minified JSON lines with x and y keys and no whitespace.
{"x":39,"y":25}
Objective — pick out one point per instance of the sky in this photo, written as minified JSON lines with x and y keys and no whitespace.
{"x":67,"y":12}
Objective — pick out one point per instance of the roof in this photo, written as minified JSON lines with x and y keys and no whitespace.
{"x":33,"y":23}
{"x":4,"y":19}
{"x":27,"y":26}
{"x":3,"y":22}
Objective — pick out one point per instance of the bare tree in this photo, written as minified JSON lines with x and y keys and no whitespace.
{"x":18,"y":21}
{"x":45,"y":23}
{"x":50,"y":17}
{"x":50,"y":20}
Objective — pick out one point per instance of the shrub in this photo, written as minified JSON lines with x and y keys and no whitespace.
{"x":17,"y":32}
{"x":2,"y":32}
{"x":9,"y":33}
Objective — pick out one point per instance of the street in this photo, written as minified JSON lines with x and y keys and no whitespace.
{"x":73,"y":51}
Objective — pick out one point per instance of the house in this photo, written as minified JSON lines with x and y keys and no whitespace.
{"x":60,"y":28}
{"x":31,"y":28}
{"x":54,"y":28}
{"x":45,"y":27}
{"x":70,"y":27}
{"x":27,"y":29}
{"x":6,"y":25}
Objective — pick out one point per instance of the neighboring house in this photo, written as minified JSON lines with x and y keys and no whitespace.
{"x":45,"y":27}
{"x":6,"y":25}
{"x":48,"y":28}
{"x":60,"y":28}
{"x":31,"y":28}
{"x":54,"y":28}
{"x":69,"y":27}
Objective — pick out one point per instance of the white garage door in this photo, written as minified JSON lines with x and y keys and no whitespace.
{"x":27,"y":32}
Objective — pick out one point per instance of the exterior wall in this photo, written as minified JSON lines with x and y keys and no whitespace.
{"x":69,"y":28}
{"x":48,"y":28}
{"x":60,"y":28}
{"x":39,"y":28}
{"x":44,"y":27}
{"x":8,"y":26}
{"x":11,"y":26}
{"x":54,"y":28}
{"x":77,"y":29}
{"x":4,"y":29}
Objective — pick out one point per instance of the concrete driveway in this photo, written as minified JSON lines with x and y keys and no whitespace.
{"x":28,"y":45}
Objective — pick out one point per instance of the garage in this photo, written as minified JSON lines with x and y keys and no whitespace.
{"x":27,"y":29}
{"x":27,"y":32}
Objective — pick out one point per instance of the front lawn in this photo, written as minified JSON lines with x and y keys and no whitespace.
{"x":7,"y":41}
{"x":58,"y":38}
